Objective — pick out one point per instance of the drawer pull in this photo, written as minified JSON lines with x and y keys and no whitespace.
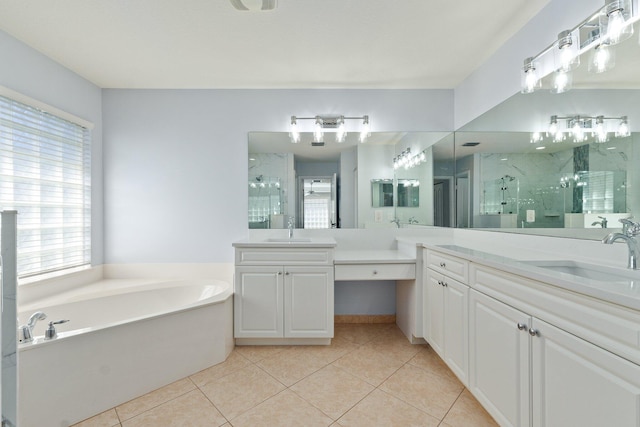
{"x":533,"y":332}
{"x":522,"y":326}
{"x":442,"y":264}
{"x":279,"y":273}
{"x":444,"y":284}
{"x":375,"y":272}
{"x":287,"y":273}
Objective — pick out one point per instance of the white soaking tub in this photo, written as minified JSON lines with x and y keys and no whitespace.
{"x":124,"y":338}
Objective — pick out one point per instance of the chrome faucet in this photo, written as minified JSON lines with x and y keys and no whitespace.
{"x":26,"y":331}
{"x":290,"y":226}
{"x":602,"y":223}
{"x":413,"y":220}
{"x":630,"y":229}
{"x":396,"y":221}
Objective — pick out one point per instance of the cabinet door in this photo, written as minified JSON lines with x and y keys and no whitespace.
{"x":308,"y":302}
{"x":433,"y":295}
{"x":456,"y":328}
{"x":499,"y":359}
{"x":576,"y":383}
{"x":258,"y":310}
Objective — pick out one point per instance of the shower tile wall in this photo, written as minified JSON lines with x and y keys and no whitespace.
{"x":538,"y":177}
{"x":270,"y":177}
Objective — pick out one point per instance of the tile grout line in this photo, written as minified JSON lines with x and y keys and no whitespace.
{"x":452,"y":405}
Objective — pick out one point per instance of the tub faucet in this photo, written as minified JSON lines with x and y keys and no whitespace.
{"x":630,"y":229}
{"x":602,"y":223}
{"x":26,"y":331}
{"x":396,"y":221}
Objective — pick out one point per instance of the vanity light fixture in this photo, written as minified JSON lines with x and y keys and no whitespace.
{"x":253,"y":5}
{"x":322,"y":123}
{"x":609,"y":25}
{"x":407,"y":161}
{"x":580,"y":128}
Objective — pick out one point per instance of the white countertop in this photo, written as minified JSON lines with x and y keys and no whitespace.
{"x":625,"y":293}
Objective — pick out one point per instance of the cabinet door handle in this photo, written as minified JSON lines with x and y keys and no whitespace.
{"x":442,"y":264}
{"x":286,"y":273}
{"x":279,"y":273}
{"x":444,"y":284}
{"x":440,"y":282}
{"x":375,"y":272}
{"x":533,"y":332}
{"x":522,"y":326}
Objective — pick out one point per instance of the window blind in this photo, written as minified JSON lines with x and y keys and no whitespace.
{"x":45,"y":175}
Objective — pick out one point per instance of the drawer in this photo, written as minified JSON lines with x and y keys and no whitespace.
{"x":614,"y":328}
{"x":451,"y":266}
{"x":281,"y":256}
{"x":375,"y":271}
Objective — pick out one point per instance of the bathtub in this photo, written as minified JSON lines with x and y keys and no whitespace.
{"x":124,"y":338}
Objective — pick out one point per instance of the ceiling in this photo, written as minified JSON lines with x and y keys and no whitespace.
{"x":425,"y":44}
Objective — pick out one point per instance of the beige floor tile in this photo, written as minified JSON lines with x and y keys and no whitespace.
{"x":292,"y":365}
{"x":241,"y":390}
{"x":381,"y":409}
{"x":282,"y":410}
{"x":330,"y":353}
{"x":369,"y":365}
{"x":234,"y":362}
{"x":106,"y":419}
{"x":157,"y":397}
{"x":431,"y":393}
{"x":192,"y":409}
{"x":256,"y":353}
{"x":397,"y":348}
{"x":359,"y":333}
{"x":332,"y":390}
{"x":428,"y":360}
{"x":467,"y":412}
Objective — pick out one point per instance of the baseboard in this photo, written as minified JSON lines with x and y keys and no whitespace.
{"x":364,"y":318}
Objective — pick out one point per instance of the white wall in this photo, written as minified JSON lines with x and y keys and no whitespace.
{"x":498,"y":78}
{"x":30,"y":73}
{"x":175,"y":161}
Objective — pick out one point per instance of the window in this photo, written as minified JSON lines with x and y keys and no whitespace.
{"x":45,"y":175}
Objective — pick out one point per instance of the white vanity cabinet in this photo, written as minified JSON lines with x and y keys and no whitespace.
{"x":283,"y":295}
{"x":445,"y":322}
{"x":526,"y":371}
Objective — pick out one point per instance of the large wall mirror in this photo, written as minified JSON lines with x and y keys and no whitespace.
{"x":351,"y":184}
{"x":514,"y":181}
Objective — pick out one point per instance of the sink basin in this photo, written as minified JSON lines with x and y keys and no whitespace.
{"x":589,"y":271}
{"x":289,"y":240}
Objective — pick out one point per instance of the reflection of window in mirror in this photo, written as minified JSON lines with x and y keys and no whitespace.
{"x":381,"y":193}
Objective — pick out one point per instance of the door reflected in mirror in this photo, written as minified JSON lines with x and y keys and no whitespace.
{"x":368,"y":192}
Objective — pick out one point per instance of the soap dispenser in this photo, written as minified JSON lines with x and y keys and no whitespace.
{"x":51,"y":333}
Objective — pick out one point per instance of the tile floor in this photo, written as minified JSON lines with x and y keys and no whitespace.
{"x":369,"y":376}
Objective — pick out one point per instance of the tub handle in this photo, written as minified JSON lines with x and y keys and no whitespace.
{"x":51,"y":333}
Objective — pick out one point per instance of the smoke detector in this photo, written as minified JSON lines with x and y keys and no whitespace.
{"x":254,"y":5}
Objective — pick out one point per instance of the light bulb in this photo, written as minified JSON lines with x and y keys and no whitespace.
{"x":614,"y":21}
{"x":530,"y":81}
{"x":578,"y":131}
{"x":602,"y":59}
{"x":294,"y":134}
{"x":567,"y":55}
{"x":599,"y":131}
{"x":341,"y":134}
{"x":553,"y":126}
{"x":558,"y":136}
{"x":318,"y":133}
{"x":623,"y":128}
{"x":366,"y":130}
{"x":561,"y":81}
